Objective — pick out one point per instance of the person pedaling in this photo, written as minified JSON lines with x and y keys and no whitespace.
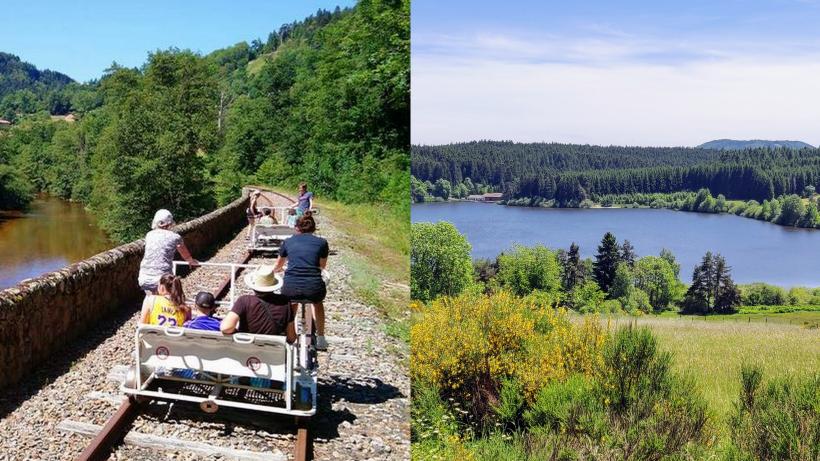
{"x":306,"y":258}
{"x":161,"y":244}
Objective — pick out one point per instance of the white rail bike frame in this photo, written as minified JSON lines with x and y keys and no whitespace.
{"x":279,"y":232}
{"x":298,"y":355}
{"x":216,"y":359}
{"x":233,"y":268}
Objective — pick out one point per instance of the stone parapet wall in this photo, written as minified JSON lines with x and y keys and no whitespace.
{"x":40,"y":315}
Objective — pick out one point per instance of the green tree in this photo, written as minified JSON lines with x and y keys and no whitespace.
{"x":15,"y":192}
{"x":443,"y":189}
{"x":670,"y":258}
{"x":698,"y":298}
{"x":606,"y":261}
{"x":623,"y":283}
{"x":720,"y":204}
{"x":628,"y":253}
{"x":150,"y":155}
{"x":811,"y":217}
{"x":574,"y":272}
{"x":712,"y":289}
{"x":526,"y":269}
{"x":792,"y":210}
{"x":440,"y":262}
{"x":727,"y":295}
{"x":418,"y":191}
{"x":656,"y":277}
{"x":587,"y":297}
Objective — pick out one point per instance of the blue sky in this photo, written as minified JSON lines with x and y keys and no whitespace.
{"x":627,"y":72}
{"x":83,"y":38}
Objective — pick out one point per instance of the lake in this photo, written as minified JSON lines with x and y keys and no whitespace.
{"x":757,"y":251}
{"x":53,"y":234}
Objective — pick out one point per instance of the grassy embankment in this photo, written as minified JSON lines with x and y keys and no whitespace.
{"x":380,"y":262}
{"x":712,"y":349}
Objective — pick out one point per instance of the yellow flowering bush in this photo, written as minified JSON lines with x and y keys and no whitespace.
{"x":465,"y":346}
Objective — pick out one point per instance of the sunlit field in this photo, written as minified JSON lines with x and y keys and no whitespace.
{"x":712,"y":349}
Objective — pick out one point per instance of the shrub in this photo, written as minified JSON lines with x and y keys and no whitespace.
{"x":780,"y":421}
{"x":762,"y":294}
{"x":637,"y":301}
{"x":526,"y":269}
{"x":467,"y":346}
{"x":658,"y":413}
{"x":440,"y":262}
{"x":572,"y":406}
{"x":434,"y":430}
{"x":587,"y":298}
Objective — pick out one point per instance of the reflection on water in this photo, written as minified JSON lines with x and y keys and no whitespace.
{"x":53,"y":234}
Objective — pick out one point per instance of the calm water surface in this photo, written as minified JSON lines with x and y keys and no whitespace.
{"x":53,"y":234}
{"x":756,"y":250}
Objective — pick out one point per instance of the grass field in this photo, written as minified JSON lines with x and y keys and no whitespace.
{"x":711,"y":349}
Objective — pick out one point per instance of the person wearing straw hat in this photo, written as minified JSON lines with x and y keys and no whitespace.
{"x":263,"y":312}
{"x":161,"y":244}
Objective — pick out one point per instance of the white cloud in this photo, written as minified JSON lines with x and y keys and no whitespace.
{"x":624,"y":92}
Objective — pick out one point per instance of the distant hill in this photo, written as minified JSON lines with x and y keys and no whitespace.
{"x":16,"y":74}
{"x":733,"y":144}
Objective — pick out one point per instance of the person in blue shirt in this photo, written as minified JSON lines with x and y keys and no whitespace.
{"x":306,"y":257}
{"x":206,"y":305}
{"x":305,"y":200}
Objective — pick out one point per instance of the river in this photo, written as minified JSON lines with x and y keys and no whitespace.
{"x":53,"y":234}
{"x":757,"y":251}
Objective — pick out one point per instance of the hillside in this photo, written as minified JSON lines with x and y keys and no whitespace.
{"x":733,"y":144}
{"x":16,"y":74}
{"x":571,"y":173}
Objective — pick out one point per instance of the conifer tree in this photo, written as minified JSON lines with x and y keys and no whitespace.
{"x":628,"y":253}
{"x":574,"y":270}
{"x":606,"y":261}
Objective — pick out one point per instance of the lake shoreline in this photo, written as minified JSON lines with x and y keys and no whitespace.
{"x":617,"y":206}
{"x":756,"y":251}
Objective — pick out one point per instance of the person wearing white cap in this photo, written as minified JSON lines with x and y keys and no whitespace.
{"x":161,"y":244}
{"x":263,"y":312}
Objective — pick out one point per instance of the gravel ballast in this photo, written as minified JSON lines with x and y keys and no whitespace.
{"x":363,"y":386}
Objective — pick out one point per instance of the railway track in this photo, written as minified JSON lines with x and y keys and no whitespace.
{"x":113,"y":433}
{"x":363,"y":411}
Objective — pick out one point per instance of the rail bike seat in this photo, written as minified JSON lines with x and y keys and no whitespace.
{"x":247,"y":371}
{"x":271,"y":236}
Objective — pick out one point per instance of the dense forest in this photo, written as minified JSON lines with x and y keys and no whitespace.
{"x":569,"y":174}
{"x":323,"y":100}
{"x":26,"y":89}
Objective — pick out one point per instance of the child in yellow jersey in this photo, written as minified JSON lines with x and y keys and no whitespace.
{"x":167,"y":308}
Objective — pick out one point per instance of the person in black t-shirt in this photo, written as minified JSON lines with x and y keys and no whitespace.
{"x":306,"y":257}
{"x":263,"y":312}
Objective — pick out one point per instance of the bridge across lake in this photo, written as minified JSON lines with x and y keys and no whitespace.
{"x":756,"y":250}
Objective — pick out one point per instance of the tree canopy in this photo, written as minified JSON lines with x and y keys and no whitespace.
{"x":325,"y":100}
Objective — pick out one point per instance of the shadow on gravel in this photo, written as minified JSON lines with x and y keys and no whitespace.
{"x":358,"y":390}
{"x":13,"y":396}
{"x":325,"y":424}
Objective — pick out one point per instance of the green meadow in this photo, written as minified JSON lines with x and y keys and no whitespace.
{"x":712,"y":348}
